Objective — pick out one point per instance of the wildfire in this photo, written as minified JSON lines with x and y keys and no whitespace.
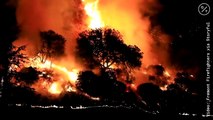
{"x":63,"y":81}
{"x":164,"y":88}
{"x":167,"y":73}
{"x":92,"y":11}
{"x":67,"y":77}
{"x":55,"y":88}
{"x":72,"y":75}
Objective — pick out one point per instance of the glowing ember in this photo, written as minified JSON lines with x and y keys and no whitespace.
{"x":164,"y":88}
{"x":133,"y":87}
{"x":111,"y":66}
{"x":167,"y":73}
{"x":92,"y":11}
{"x":55,"y":88}
{"x":70,"y":89}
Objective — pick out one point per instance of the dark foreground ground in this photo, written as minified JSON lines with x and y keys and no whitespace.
{"x":91,"y":113}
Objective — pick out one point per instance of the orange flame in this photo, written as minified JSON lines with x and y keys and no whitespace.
{"x":72,"y":75}
{"x":92,"y":11}
{"x":167,"y":73}
{"x":55,"y":88}
{"x":67,"y":77}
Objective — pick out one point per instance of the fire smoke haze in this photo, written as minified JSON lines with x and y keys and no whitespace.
{"x":132,"y":19}
{"x":65,"y":17}
{"x":68,"y":18}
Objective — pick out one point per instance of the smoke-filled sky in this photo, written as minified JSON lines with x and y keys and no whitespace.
{"x":67,"y":17}
{"x":63,"y":16}
{"x":166,"y":31}
{"x":132,"y":19}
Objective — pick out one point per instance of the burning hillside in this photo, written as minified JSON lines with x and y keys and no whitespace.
{"x":94,"y":15}
{"x":107,"y":52}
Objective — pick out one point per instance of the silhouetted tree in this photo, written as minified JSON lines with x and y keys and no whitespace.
{"x":156,"y":74}
{"x":8,"y":33}
{"x":22,"y":95}
{"x":52,"y":45}
{"x":16,"y":61}
{"x":103,"y":85}
{"x":89,"y":83}
{"x":108,"y":84}
{"x":16,"y":58}
{"x":28,"y":75}
{"x":185,"y":81}
{"x":104,"y":48}
{"x":182,"y":96}
{"x":187,"y":89}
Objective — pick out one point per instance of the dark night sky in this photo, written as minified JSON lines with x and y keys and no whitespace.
{"x":181,"y":20}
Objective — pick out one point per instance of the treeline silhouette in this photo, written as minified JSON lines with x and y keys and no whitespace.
{"x":98,"y":52}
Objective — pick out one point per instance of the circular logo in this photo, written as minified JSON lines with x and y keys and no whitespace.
{"x":204,"y":9}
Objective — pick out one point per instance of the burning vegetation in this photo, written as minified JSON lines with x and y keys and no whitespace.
{"x":101,"y":61}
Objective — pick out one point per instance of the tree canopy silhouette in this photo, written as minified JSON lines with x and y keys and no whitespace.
{"x":28,"y":75}
{"x":8,"y":33}
{"x":100,"y":85}
{"x":88,"y":82}
{"x":105,"y":49}
{"x":52,"y":45}
{"x":156,"y":74}
{"x":16,"y":57}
